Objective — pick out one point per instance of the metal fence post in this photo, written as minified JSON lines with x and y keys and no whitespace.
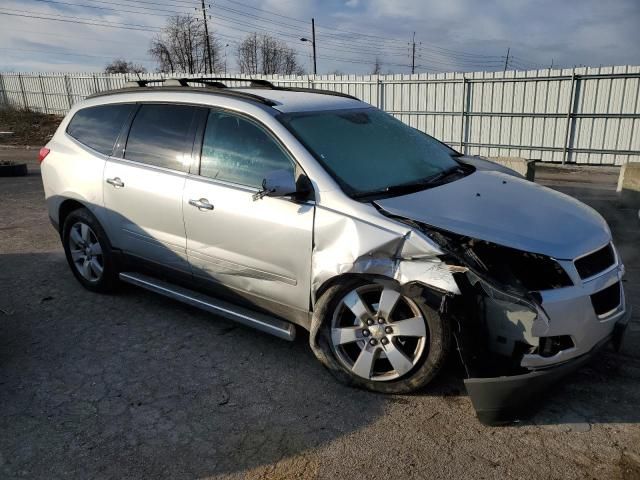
{"x":567,"y":128}
{"x":24,"y":96}
{"x":4,"y":92}
{"x":380,"y":93}
{"x":66,"y":86}
{"x":44,"y":97}
{"x":95,"y":83}
{"x":462,"y":114}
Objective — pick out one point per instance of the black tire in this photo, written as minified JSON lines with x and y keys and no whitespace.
{"x":14,"y":170}
{"x":108,"y":280}
{"x":427,"y":366}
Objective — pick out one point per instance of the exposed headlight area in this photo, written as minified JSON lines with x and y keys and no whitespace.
{"x":523,"y":271}
{"x":530,"y":271}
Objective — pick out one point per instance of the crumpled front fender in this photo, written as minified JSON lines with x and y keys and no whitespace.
{"x":348,"y":245}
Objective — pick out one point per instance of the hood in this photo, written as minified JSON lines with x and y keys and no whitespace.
{"x":508,"y":211}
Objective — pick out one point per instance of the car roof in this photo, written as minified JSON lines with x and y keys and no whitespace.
{"x":282,"y":99}
{"x":287,"y":101}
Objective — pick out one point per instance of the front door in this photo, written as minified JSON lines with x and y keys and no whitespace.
{"x":260,"y":247}
{"x":143,"y":190}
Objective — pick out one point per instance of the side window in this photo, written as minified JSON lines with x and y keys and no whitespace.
{"x":98,"y":127}
{"x":237,"y":150}
{"x":158,"y":136}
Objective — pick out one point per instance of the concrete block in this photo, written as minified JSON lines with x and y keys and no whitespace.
{"x":524,"y":166}
{"x":629,"y":185}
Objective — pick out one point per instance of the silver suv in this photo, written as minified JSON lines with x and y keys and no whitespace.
{"x":282,"y":208}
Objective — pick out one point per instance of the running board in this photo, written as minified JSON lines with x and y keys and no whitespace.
{"x":259,"y":321}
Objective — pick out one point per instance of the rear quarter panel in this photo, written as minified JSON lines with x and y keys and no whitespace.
{"x":72,"y":171}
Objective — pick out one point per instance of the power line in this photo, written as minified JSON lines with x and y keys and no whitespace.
{"x":188,"y":5}
{"x":462,"y":58}
{"x":267,"y":11}
{"x":71,"y":54}
{"x":234,"y":22}
{"x":75,"y":37}
{"x":360,"y":34}
{"x":112,"y":9}
{"x":83,"y":22}
{"x":433,"y":55}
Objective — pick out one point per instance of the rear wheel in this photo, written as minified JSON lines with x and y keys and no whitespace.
{"x":88,"y":251}
{"x":372,"y":336}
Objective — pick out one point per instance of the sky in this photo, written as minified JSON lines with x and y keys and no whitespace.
{"x":450,"y":35}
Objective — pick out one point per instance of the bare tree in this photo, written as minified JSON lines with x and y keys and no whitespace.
{"x":264,"y":54}
{"x":377,"y":67}
{"x":248,"y":54}
{"x":181,"y":47}
{"x":120,"y":65}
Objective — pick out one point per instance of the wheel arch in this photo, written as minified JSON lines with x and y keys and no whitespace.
{"x":433,"y":296}
{"x":345,"y":277}
{"x":66,"y":207}
{"x":70,"y":205}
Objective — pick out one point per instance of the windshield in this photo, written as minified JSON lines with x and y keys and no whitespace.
{"x":368,"y":151}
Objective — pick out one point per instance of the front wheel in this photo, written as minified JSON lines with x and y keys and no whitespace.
{"x":372,"y":336}
{"x":88,"y":252}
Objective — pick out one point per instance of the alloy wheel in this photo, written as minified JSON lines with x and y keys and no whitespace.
{"x":86,"y":252}
{"x":377,"y":333}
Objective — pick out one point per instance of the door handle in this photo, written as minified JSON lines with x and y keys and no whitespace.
{"x":202,"y":204}
{"x":116,"y":182}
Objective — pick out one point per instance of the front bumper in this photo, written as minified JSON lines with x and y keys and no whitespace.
{"x":499,"y":400}
{"x":569,"y":312}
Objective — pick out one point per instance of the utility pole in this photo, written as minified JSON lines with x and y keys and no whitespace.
{"x":313,"y":44}
{"x":225,"y":59}
{"x":506,"y":60}
{"x":413,"y":54}
{"x":206,"y":32}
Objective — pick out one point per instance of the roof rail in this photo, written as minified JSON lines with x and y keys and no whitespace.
{"x":141,"y":83}
{"x":254,"y":82}
{"x":319,"y":91}
{"x":216,"y":83}
{"x":260,"y":83}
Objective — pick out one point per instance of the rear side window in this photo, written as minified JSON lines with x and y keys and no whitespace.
{"x":98,"y":127}
{"x":158,"y":136}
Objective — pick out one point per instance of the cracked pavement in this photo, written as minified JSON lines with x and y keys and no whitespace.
{"x":134,"y":385}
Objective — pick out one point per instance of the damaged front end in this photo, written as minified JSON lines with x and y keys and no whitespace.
{"x":521,"y":320}
{"x":503,"y":332}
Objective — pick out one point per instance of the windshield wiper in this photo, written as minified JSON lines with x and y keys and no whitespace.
{"x":439,"y":177}
{"x":412,"y":187}
{"x":395,"y":189}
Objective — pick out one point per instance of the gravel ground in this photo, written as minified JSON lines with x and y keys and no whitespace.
{"x":138,"y":386}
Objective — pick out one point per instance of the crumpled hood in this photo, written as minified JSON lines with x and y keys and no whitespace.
{"x":508,"y":211}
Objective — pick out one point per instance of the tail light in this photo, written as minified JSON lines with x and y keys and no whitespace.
{"x":44,"y":151}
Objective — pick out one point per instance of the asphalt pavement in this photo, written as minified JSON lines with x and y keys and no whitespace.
{"x":134,"y":385}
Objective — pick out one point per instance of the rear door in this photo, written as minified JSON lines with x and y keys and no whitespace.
{"x":143,"y":188}
{"x":260,"y":247}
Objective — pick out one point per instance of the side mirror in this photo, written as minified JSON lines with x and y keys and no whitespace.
{"x":277,"y":183}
